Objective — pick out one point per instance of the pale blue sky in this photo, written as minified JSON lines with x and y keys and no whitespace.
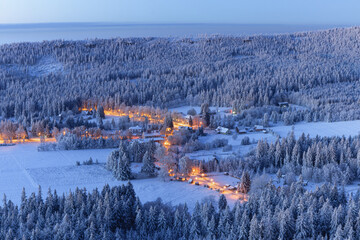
{"x":182,"y":11}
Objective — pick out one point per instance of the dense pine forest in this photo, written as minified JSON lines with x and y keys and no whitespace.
{"x":319,"y":70}
{"x":116,"y":213}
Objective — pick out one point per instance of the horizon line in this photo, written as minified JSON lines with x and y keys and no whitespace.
{"x":181,"y":23}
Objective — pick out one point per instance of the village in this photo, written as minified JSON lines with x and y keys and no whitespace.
{"x":147,"y":124}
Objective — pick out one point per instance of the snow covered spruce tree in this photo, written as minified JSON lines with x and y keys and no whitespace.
{"x":245,"y":183}
{"x":148,"y":164}
{"x":123,"y":170}
{"x":119,"y":163}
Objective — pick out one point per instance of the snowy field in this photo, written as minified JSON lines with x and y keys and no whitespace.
{"x":22,"y":166}
{"x":235,"y":143}
{"x":346,"y":128}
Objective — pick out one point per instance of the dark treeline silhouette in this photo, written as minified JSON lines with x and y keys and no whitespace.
{"x":116,"y":213}
{"x":38,"y":80}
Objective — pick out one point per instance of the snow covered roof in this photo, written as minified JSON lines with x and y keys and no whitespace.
{"x":135,"y":128}
{"x":222,"y":129}
{"x":156,"y":139}
{"x":153,"y":134}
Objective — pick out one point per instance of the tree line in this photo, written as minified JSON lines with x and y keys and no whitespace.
{"x":116,"y":213}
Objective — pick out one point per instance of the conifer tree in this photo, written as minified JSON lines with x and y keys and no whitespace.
{"x":148,"y":165}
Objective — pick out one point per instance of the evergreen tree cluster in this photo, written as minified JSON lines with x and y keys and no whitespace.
{"x":329,"y":159}
{"x":119,"y":160}
{"x":116,"y":213}
{"x":72,"y":142}
{"x":333,"y":160}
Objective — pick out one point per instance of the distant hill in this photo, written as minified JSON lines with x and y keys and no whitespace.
{"x":317,"y":69}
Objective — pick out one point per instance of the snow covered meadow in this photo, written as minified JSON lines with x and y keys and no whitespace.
{"x":322,"y":129}
{"x":23,"y":166}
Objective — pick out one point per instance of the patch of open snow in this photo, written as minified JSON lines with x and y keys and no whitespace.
{"x":23,"y":166}
{"x":45,"y":66}
{"x":235,"y":143}
{"x":323,"y":129}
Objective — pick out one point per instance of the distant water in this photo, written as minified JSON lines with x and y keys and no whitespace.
{"x":10,"y":33}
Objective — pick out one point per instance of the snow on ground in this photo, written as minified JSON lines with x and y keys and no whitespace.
{"x":185,"y":109}
{"x":45,"y":66}
{"x":347,"y":128}
{"x":298,"y":107}
{"x":235,"y":143}
{"x":23,"y":166}
{"x":311,"y":186}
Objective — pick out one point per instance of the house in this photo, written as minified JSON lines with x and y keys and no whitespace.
{"x":240,"y":131}
{"x":137,"y":130}
{"x":283,"y":104}
{"x":259,"y":128}
{"x":222,"y":130}
{"x":155,"y":139}
{"x":153,"y":134}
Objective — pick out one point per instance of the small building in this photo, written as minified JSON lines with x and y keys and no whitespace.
{"x":241,"y":131}
{"x":259,"y":128}
{"x":137,"y":130}
{"x":222,"y":130}
{"x":153,"y":134}
{"x":155,"y":139}
{"x":283,"y":104}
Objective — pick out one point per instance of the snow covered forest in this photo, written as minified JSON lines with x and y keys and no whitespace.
{"x":38,"y":80}
{"x":122,"y":94}
{"x":116,"y":213}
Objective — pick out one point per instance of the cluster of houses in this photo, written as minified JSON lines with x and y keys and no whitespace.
{"x":146,"y":136}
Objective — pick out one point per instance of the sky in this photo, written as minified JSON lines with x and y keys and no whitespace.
{"x":182,"y":11}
